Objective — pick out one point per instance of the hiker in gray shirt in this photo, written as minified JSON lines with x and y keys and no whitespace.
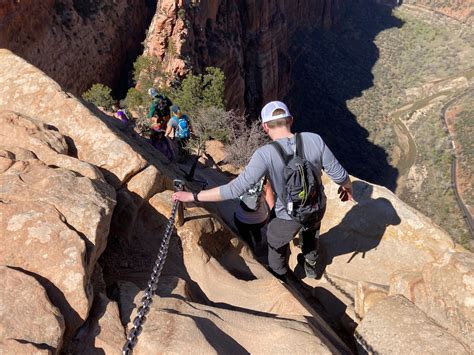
{"x":266,"y":161}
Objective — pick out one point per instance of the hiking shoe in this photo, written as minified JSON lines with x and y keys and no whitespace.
{"x":310,"y":269}
{"x":311,"y":264}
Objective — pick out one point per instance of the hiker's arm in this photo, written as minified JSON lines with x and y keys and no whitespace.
{"x":269,"y":195}
{"x":169,"y":128}
{"x":345,"y":190}
{"x":151,"y":111}
{"x":252,"y":173}
{"x":212,"y":195}
{"x":331,"y":166}
{"x":336,"y":172}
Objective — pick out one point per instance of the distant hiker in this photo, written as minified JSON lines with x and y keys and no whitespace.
{"x":159,"y":111}
{"x":160,"y":142}
{"x":179,"y":129}
{"x":293,"y":164}
{"x":120,"y":113}
{"x":253,"y":212}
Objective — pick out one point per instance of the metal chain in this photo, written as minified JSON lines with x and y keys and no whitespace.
{"x":362,"y":342}
{"x":340,"y":289}
{"x":144,"y":309}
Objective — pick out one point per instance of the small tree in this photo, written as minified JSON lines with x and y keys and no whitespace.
{"x":197,"y":91}
{"x":99,"y":95}
{"x":213,"y":88}
{"x":135,"y":101}
{"x":208,"y":123}
{"x":148,"y":71}
{"x":243,"y":141}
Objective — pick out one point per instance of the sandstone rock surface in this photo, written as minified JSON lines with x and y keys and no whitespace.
{"x":444,"y":289}
{"x":55,"y":215}
{"x":212,"y":272}
{"x":24,"y":299}
{"x":369,"y":239}
{"x":54,"y":226}
{"x":92,"y":137}
{"x":174,"y":325}
{"x":103,"y":332}
{"x":396,"y":326}
{"x":366,"y":296}
{"x":76,"y":43}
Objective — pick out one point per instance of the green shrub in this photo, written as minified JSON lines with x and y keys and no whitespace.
{"x":134,"y":99}
{"x":148,"y":71}
{"x":198,"y":91}
{"x":99,"y":95}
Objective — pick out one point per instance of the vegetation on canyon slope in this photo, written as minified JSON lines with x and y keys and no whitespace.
{"x":200,"y":96}
{"x":410,"y":56}
{"x":348,"y":81}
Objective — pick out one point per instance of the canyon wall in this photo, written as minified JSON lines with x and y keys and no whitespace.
{"x":248,"y":40}
{"x":77,"y":42}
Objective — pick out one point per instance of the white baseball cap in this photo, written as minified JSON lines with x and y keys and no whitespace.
{"x":268,"y":109}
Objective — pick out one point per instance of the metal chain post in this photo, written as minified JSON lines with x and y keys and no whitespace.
{"x":147,"y":300}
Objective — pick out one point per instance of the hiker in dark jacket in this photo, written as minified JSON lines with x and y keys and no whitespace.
{"x":267,"y":161}
{"x":161,"y":143}
{"x":253,"y":212}
{"x":159,"y":111}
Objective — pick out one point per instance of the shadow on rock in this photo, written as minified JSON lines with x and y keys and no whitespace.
{"x":225,"y":343}
{"x":362,"y":227}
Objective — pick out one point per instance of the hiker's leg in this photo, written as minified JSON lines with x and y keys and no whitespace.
{"x":256,"y":231}
{"x":310,"y":236}
{"x":310,"y":245}
{"x":244,"y":231}
{"x":279,"y":234}
{"x":277,"y":259}
{"x":310,"y":248}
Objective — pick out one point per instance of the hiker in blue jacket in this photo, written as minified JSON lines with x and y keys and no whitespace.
{"x":178,"y":129}
{"x":271,"y":160}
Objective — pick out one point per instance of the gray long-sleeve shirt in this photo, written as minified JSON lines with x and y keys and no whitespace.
{"x":267,"y":161}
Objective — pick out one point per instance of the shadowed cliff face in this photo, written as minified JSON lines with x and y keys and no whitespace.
{"x":77,"y":42}
{"x":315,"y":54}
{"x":249,"y":41}
{"x":328,"y":69}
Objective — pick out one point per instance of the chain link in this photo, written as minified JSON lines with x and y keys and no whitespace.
{"x":147,"y":300}
{"x":360,"y":339}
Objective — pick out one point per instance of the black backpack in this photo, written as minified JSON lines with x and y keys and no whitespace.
{"x":303,"y":190}
{"x":162,"y":105}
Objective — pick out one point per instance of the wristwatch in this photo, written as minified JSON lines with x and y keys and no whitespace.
{"x":195,"y":196}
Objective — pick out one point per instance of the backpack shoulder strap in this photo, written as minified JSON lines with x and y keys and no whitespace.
{"x":299,"y":146}
{"x":285,"y":157}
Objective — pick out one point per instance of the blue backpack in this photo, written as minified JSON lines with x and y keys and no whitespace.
{"x":182,"y":131}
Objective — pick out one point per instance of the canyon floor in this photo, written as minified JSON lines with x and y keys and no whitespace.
{"x":378,"y":104}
